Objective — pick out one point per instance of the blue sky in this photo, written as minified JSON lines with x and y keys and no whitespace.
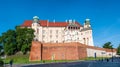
{"x":104,"y":15}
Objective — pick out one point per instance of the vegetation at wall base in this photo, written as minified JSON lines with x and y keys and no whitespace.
{"x":1,"y":62}
{"x":97,"y":58}
{"x":24,"y":59}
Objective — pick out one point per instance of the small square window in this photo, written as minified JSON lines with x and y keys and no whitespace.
{"x":43,"y":36}
{"x":56,"y":36}
{"x":50,"y":31}
{"x":43,"y":32}
{"x":37,"y":31}
{"x":50,"y":36}
{"x":56,"y":31}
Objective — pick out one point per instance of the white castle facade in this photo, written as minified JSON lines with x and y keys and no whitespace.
{"x":61,"y":32}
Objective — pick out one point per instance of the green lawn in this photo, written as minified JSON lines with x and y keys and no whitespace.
{"x":24,"y":59}
{"x":97,"y":58}
{"x":18,"y":59}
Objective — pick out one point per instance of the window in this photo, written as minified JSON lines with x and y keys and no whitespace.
{"x":68,"y":27}
{"x":56,"y":36}
{"x":43,"y":31}
{"x":43,"y":36}
{"x":73,"y":27}
{"x":50,"y":31}
{"x":56,"y":31}
{"x":81,"y":33}
{"x":50,"y":36}
{"x":84,"y":40}
{"x":56,"y":41}
{"x":37,"y":31}
{"x":62,"y":31}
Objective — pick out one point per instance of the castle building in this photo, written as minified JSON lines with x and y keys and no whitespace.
{"x":60,"y":32}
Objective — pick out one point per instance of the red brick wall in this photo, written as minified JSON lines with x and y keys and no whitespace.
{"x":57,"y":51}
{"x":60,"y":51}
{"x":82,"y":52}
{"x":35,"y":53}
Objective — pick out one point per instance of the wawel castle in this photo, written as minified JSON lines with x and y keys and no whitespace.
{"x":68,"y":40}
{"x":60,"y":32}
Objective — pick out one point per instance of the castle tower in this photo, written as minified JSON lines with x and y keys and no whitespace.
{"x":35,"y":25}
{"x":35,"y":19}
{"x":88,"y":38}
{"x":87,"y":23}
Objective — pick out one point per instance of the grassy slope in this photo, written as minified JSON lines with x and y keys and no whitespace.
{"x":19,"y":58}
{"x":24,"y":59}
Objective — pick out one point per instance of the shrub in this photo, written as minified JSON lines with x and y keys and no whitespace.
{"x":1,"y":62}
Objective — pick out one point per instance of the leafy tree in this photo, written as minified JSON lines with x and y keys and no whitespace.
{"x":8,"y":39}
{"x":1,"y":48}
{"x":24,"y":38}
{"x":118,"y":50}
{"x":108,"y":45}
{"x":17,"y":40}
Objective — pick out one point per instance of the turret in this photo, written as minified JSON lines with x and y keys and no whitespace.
{"x":88,"y":38}
{"x":35,"y":25}
{"x":87,"y":23}
{"x":35,"y":19}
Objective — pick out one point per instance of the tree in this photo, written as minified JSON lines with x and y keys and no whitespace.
{"x":1,"y":48}
{"x":108,"y":45}
{"x":24,"y":38}
{"x":8,"y":39}
{"x":17,"y":40}
{"x":118,"y":50}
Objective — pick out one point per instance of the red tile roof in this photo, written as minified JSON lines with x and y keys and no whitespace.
{"x":28,"y":23}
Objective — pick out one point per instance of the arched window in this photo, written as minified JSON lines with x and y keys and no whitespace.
{"x":68,"y":27}
{"x":87,"y":41}
{"x":37,"y":31}
{"x":84,"y":40}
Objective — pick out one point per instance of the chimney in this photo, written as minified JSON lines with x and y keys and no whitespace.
{"x":70,"y":21}
{"x":47,"y":22}
{"x":66,"y":21}
{"x":54,"y":20}
{"x":74,"y":21}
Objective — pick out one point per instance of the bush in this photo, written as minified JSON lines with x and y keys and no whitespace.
{"x":1,"y":63}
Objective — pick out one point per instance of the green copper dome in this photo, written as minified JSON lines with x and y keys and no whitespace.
{"x":87,"y":22}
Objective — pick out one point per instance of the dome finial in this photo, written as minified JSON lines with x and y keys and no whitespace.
{"x":35,"y":17}
{"x":87,"y":19}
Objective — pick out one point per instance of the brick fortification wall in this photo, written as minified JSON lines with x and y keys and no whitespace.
{"x":57,"y":51}
{"x":65,"y":51}
{"x":35,"y":53}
